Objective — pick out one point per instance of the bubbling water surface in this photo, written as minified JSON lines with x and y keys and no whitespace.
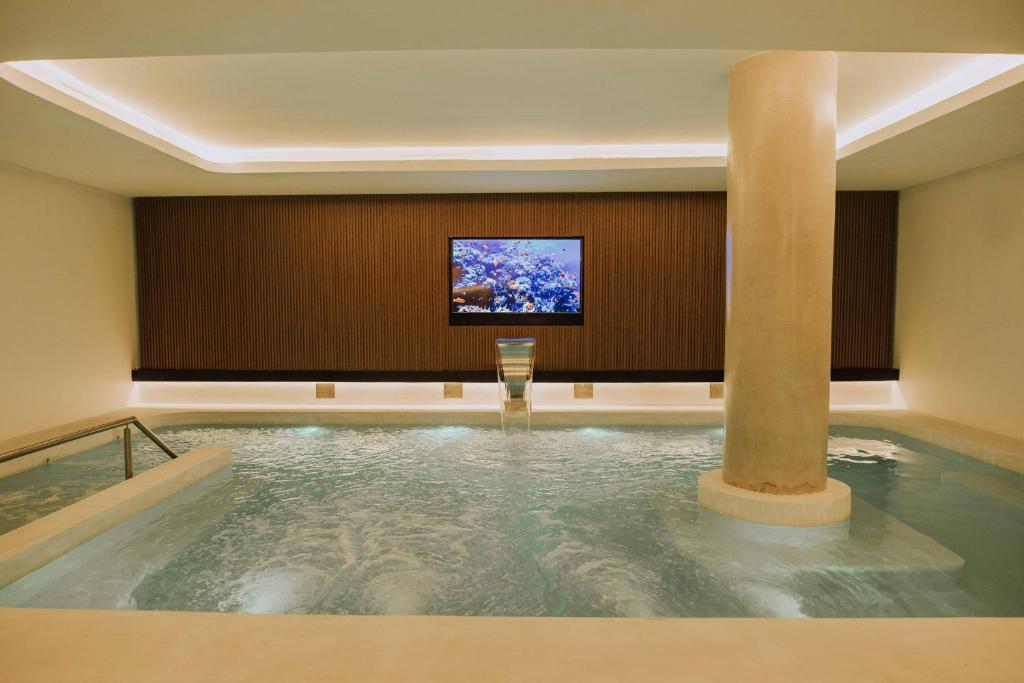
{"x":577,"y":522}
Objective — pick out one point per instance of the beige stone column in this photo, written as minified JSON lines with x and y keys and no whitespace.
{"x":781,"y":211}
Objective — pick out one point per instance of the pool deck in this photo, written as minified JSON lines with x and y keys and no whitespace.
{"x":112,"y":646}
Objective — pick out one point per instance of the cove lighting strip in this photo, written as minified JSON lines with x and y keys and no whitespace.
{"x":975,"y":72}
{"x":59,"y":80}
{"x":47,"y":80}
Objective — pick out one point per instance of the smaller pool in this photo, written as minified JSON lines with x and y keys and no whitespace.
{"x":41,"y":490}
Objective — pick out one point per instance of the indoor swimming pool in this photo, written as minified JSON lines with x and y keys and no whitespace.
{"x":592,"y":521}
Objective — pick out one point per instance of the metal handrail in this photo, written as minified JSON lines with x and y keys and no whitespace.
{"x":125,"y":422}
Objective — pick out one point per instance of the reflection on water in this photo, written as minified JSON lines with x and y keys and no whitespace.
{"x":601,"y":522}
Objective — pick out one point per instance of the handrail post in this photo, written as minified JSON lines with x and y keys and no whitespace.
{"x":127,"y":438}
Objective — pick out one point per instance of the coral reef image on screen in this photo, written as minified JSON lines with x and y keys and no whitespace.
{"x":516,"y":276}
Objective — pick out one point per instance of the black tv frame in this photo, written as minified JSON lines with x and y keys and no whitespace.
{"x":491,"y":319}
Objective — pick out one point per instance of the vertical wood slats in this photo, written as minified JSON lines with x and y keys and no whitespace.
{"x":864,"y":279}
{"x":359,"y":282}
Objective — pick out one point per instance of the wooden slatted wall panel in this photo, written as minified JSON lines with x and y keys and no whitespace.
{"x":359,"y":283}
{"x":864,"y":279}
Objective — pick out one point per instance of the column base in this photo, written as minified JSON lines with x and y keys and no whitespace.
{"x":823,"y":508}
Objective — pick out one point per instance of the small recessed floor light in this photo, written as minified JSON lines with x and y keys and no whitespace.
{"x":582,"y":391}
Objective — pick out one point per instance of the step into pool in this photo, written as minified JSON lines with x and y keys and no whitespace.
{"x":576,"y":522}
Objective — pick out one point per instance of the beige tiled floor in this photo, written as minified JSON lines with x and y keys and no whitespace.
{"x":111,"y":646}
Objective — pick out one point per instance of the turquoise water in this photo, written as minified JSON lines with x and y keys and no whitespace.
{"x":42,"y":490}
{"x":575,"y":522}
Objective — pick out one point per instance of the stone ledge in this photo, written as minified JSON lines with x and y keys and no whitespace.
{"x":830,"y":506}
{"x":27,"y":548}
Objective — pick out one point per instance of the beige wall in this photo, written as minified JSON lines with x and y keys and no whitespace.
{"x":960,"y":297}
{"x":67,"y":301}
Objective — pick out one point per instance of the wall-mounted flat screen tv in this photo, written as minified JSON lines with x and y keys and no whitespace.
{"x":515,"y":281}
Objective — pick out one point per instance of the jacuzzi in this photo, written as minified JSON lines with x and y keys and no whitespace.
{"x":574,"y":520}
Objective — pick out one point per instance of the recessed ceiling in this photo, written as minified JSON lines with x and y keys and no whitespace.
{"x":502,"y":96}
{"x":58,"y":29}
{"x":398,"y":110}
{"x":474,"y":97}
{"x":429,"y":98}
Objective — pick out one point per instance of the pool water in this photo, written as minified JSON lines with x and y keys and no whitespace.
{"x":574,"y":522}
{"x":41,"y":490}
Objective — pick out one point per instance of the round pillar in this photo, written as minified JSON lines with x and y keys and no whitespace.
{"x":781,"y":223}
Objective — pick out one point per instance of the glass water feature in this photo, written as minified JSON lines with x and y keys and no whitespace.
{"x":515,"y":359}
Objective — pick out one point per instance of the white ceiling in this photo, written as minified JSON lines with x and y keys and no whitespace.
{"x":392,"y":86}
{"x":413,"y":98}
{"x":59,"y":29}
{"x":471,"y":97}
